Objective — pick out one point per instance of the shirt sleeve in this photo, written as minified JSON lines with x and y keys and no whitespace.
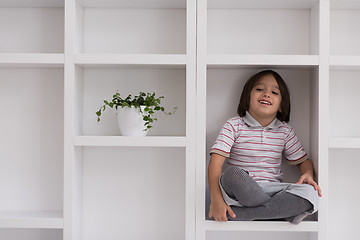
{"x":225,"y":140}
{"x":294,"y":152}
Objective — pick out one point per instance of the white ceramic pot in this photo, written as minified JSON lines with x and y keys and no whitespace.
{"x":131,"y":121}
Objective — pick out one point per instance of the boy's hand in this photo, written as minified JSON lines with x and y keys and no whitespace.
{"x":218,"y":211}
{"x":307,"y":178}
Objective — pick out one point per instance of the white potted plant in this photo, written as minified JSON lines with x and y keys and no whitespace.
{"x":135,"y":115}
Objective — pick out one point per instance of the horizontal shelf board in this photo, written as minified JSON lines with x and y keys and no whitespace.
{"x":345,"y":4}
{"x":31,"y":60}
{"x":337,"y":142}
{"x":31,"y":219}
{"x":267,"y":226}
{"x":134,"y":3}
{"x":31,"y":3}
{"x":345,"y":62}
{"x":265,"y":4}
{"x":277,"y":60}
{"x":97,"y":60}
{"x":120,"y":141}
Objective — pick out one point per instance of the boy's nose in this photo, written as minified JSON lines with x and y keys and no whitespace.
{"x":266,"y":94}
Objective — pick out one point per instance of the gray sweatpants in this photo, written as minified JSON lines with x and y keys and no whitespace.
{"x":256,"y":204}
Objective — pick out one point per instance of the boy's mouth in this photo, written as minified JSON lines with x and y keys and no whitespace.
{"x":265,"y":102}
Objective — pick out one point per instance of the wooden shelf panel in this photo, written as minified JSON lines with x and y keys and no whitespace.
{"x":31,"y":3}
{"x":264,"y":226}
{"x":122,"y":141}
{"x":342,"y":62}
{"x":134,"y":3}
{"x":31,"y":219}
{"x":335,"y":142}
{"x":95,"y":60}
{"x":31,"y":60}
{"x":344,"y":4}
{"x":282,"y":4}
{"x":278,"y":60}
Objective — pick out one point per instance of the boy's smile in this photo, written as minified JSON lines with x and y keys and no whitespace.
{"x":265,"y":100}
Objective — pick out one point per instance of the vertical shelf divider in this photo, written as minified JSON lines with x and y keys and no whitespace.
{"x":190,"y":165}
{"x":70,"y":226}
{"x":200,"y":118}
{"x":323,"y":121}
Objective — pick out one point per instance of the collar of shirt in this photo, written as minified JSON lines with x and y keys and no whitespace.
{"x":251,"y":121}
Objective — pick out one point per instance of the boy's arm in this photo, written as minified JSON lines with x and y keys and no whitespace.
{"x":218,"y":207}
{"x":307,"y":173}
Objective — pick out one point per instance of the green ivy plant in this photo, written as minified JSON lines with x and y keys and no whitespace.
{"x":149,"y":100}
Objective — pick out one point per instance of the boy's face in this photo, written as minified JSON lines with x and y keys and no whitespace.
{"x":265,"y":98}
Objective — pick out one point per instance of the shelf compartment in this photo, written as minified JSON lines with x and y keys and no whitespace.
{"x":95,"y":84}
{"x":344,"y":29}
{"x":31,"y":219}
{"x":115,"y":27}
{"x":149,"y":141}
{"x":301,"y":82}
{"x":335,"y":142}
{"x":262,"y":60}
{"x":89,"y":60}
{"x":261,"y":226}
{"x":31,"y":29}
{"x":343,"y":103}
{"x":31,"y":60}
{"x":32,"y":152}
{"x":343,"y":178}
{"x":229,"y":30}
{"x":114,"y":178}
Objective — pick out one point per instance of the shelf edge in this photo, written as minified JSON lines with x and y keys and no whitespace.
{"x":344,"y":62}
{"x":121,"y":141}
{"x":130,"y":59}
{"x":335,"y":142}
{"x":281,"y":60}
{"x":263,"y":226}
{"x":39,"y":220}
{"x":25,"y":58}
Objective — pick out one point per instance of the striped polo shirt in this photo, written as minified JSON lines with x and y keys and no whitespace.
{"x":259,"y":150}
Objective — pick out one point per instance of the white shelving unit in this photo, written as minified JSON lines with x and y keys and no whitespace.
{"x":65,"y":176}
{"x":31,"y":89}
{"x":236,"y":39}
{"x":115,"y":185}
{"x":344,"y":141}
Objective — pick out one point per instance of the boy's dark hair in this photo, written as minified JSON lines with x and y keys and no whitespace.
{"x":244,"y":103}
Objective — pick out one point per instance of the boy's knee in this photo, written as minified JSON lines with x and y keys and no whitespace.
{"x":310,"y":191}
{"x":232,"y":173}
